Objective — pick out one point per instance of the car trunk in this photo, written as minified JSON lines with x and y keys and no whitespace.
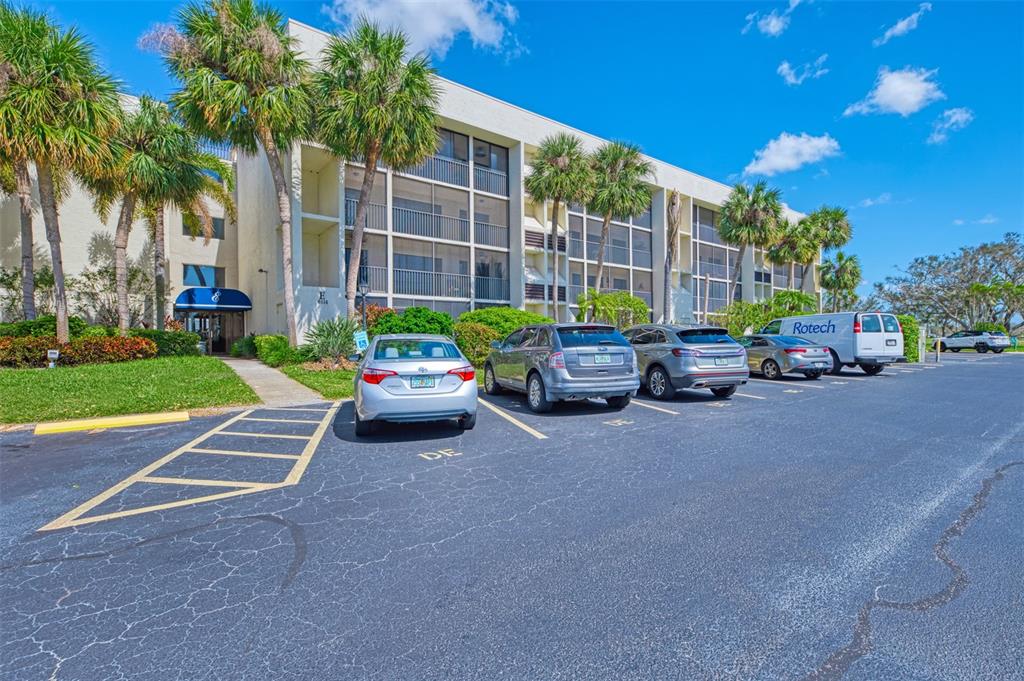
{"x":598,"y":361}
{"x":429,"y":377}
{"x":717,"y":355}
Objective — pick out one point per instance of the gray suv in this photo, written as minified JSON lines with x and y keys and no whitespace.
{"x":553,"y":362}
{"x":674,"y":356}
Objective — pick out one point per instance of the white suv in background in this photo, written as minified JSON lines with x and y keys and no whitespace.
{"x":981,"y":341}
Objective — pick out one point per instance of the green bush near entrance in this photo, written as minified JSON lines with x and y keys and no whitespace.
{"x":911,"y":334}
{"x":170,"y":343}
{"x":415,"y":320}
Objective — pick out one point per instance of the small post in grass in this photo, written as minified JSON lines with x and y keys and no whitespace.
{"x":53,"y":356}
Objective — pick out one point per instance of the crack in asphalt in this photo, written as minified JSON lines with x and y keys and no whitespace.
{"x":298,"y":536}
{"x":840,"y":661}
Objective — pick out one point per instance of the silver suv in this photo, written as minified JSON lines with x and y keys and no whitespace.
{"x":674,"y":356}
{"x":553,"y":362}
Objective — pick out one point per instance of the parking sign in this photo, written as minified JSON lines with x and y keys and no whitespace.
{"x":362,"y":342}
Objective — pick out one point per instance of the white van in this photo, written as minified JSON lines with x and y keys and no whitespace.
{"x":869,"y":340}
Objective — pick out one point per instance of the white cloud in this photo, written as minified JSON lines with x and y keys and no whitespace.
{"x":903,"y":92}
{"x":904,"y":25}
{"x":772,"y":24}
{"x":880,"y":200}
{"x":958,"y":221}
{"x":788,"y":152}
{"x":989,"y":219}
{"x":812,"y":70}
{"x":433,"y":25}
{"x":951,"y":120}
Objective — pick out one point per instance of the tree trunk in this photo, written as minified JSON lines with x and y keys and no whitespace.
{"x":792,"y":274}
{"x":356,"y":254}
{"x":48,"y":203}
{"x":666,"y":299}
{"x":707,"y":293}
{"x":605,"y":228}
{"x":554,"y":259}
{"x":736,"y":273}
{"x":284,"y":208}
{"x":159,"y":274}
{"x":28,"y":276}
{"x":124,"y":226}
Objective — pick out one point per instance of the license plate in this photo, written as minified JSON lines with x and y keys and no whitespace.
{"x":721,"y":361}
{"x":890,"y":341}
{"x":602,"y":359}
{"x":820,"y":364}
{"x":421,"y":382}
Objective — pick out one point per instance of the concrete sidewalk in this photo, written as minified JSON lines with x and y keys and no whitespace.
{"x":273,"y":387}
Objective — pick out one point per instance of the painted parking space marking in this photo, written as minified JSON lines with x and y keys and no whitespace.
{"x":839,"y":383}
{"x":844,"y":377}
{"x":619,"y":422}
{"x":263,"y":420}
{"x":233,"y":488}
{"x":439,"y":454}
{"x":273,"y":435}
{"x":753,"y":397}
{"x":513,"y":420}
{"x":764,"y":381}
{"x":258,"y":455}
{"x":792,"y":391}
{"x":655,"y":407}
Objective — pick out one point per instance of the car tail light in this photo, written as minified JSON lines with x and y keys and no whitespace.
{"x":466,"y":373}
{"x":686,"y":352}
{"x":375,"y":376}
{"x":795,"y":351}
{"x":856,"y":326}
{"x":556,"y":360}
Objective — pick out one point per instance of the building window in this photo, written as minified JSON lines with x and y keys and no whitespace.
{"x":218,"y":226}
{"x":453,"y":145}
{"x":644,"y":219}
{"x":707,"y":225}
{"x":203,"y":275}
{"x":490,"y":156}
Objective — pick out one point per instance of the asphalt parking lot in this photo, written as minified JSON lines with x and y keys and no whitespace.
{"x":850,"y":527}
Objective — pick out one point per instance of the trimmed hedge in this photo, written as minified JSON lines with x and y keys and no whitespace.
{"x":30,"y":351}
{"x":911,"y":333}
{"x":42,"y":326}
{"x":475,"y":341}
{"x":504,"y":320}
{"x":274,"y":351}
{"x":415,"y":320}
{"x":244,"y":347}
{"x":170,"y":343}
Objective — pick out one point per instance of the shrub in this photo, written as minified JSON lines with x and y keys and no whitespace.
{"x":244,"y":347}
{"x":45,"y":325}
{"x":373,"y":315}
{"x":620,"y":308}
{"x":273,"y":350}
{"x":99,"y":331}
{"x":170,"y":343}
{"x":30,"y":351}
{"x":911,"y":333}
{"x":415,"y":320}
{"x":475,"y":341}
{"x":504,"y":320}
{"x":332,"y":339}
{"x":990,"y":327}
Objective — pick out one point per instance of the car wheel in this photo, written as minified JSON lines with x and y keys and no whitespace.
{"x":872,"y":369}
{"x":981,"y":348}
{"x":659,"y":384}
{"x":363,"y":428}
{"x":943,"y":347}
{"x":837,"y":366}
{"x":618,"y":402}
{"x":951,"y":349}
{"x":535,"y":396}
{"x":997,"y":350}
{"x":813,"y":375}
{"x":468,"y":421}
{"x":771,"y":370}
{"x":724,"y":391}
{"x":491,"y":386}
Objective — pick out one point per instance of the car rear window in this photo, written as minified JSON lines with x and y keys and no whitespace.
{"x":870,"y":324}
{"x":792,"y":340}
{"x":576,"y":336}
{"x":890,"y":324}
{"x":398,"y":350}
{"x":703,"y":336}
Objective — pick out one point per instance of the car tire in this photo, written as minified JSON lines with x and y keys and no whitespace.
{"x":468,"y":421}
{"x":953,"y":349}
{"x":724,"y":391}
{"x":872,"y":369}
{"x":943,"y":347}
{"x":997,"y":350}
{"x":837,"y":366}
{"x":659,"y":385}
{"x":981,"y":348}
{"x":363,"y":428}
{"x":770,"y":369}
{"x":491,"y":386}
{"x":618,"y":402}
{"x":535,"y":397}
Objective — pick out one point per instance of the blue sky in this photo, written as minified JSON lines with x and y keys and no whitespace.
{"x":908,"y":114}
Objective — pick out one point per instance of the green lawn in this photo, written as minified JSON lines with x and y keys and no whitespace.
{"x":148,"y":385}
{"x":334,"y":385}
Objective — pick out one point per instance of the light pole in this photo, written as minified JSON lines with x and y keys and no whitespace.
{"x":362,"y":290}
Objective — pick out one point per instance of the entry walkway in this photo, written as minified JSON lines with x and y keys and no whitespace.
{"x":273,"y":387}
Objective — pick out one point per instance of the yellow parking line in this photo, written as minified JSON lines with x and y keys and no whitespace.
{"x":270,"y":435}
{"x":230,"y":452}
{"x":655,"y":408}
{"x":753,"y":397}
{"x":161,"y":480}
{"x":253,"y":418}
{"x":513,"y":420}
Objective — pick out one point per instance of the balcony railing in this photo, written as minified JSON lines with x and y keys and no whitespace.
{"x":487,"y":180}
{"x":376,"y":215}
{"x":375,"y":277}
{"x":487,"y":234}
{"x":490,"y":288}
{"x":417,"y":283}
{"x":642,"y":259}
{"x":442,"y":169}
{"x":430,"y":225}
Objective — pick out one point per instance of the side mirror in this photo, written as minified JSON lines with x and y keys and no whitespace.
{"x":496,"y":345}
{"x":355,"y":358}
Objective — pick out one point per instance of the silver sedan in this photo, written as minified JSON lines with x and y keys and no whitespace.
{"x":772,"y":356}
{"x":414,"y":377}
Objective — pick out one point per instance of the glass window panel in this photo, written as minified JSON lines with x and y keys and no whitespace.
{"x":492,"y":211}
{"x":203,"y":275}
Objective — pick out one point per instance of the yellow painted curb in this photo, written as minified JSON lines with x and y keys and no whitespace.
{"x":111,"y":422}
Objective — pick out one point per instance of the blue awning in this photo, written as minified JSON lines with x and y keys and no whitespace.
{"x":212,"y":299}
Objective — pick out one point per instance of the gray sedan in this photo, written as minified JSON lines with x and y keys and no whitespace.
{"x":554,"y":362}
{"x":414,"y":377}
{"x":675,"y":356}
{"x":772,"y":356}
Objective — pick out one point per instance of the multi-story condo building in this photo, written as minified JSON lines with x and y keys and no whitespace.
{"x":455,"y":233}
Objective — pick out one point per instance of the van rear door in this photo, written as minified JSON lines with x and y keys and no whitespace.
{"x":892,"y":335}
{"x":870,"y":340}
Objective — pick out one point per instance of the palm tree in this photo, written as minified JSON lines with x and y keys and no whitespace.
{"x":827,"y":228}
{"x":56,"y":109}
{"x":243,"y":82}
{"x":796,"y":245}
{"x":374,"y":103}
{"x":840,"y":277}
{"x":749,"y":217}
{"x":673,"y":217}
{"x":620,"y":188}
{"x":561,"y":173}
